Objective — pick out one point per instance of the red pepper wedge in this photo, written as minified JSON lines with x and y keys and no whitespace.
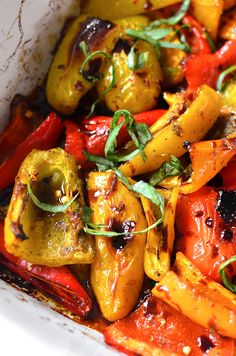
{"x":205,"y":68}
{"x":202,"y":234}
{"x":44,"y":138}
{"x":91,"y":135}
{"x":56,"y":281}
{"x":155,"y":326}
{"x":196,"y":38}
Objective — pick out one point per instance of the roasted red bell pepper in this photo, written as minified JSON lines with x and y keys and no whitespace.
{"x":22,"y":122}
{"x":44,"y":138}
{"x":196,"y":37}
{"x":58,"y":282}
{"x":202,"y":234}
{"x":205,"y":68}
{"x":91,"y":135}
{"x":155,"y":328}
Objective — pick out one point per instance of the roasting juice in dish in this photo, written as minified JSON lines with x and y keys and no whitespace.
{"x":118,"y":177}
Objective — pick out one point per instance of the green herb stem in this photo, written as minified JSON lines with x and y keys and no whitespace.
{"x":220,"y":86}
{"x":224,"y":277}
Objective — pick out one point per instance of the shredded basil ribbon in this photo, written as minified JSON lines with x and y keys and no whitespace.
{"x":95,"y":79}
{"x":168,"y":169}
{"x":140,"y":187}
{"x":173,"y":20}
{"x":224,"y":277}
{"x":136,"y":60}
{"x":139,"y":133}
{"x":49,"y":207}
{"x":220,"y":86}
{"x":210,"y":41}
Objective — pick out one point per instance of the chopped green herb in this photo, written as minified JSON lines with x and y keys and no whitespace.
{"x":138,"y":132}
{"x":87,"y":219}
{"x":224,"y":277}
{"x":220,"y":86}
{"x":84,"y":48}
{"x":168,"y":169}
{"x":210,"y":41}
{"x":136,"y":60}
{"x":49,"y":207}
{"x":173,"y":20}
{"x":96,"y":78}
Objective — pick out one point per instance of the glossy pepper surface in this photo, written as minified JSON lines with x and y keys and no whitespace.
{"x":42,"y":237}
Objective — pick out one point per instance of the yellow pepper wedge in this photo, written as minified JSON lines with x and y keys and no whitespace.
{"x":135,"y":90}
{"x":122,"y":8}
{"x":160,"y":240}
{"x":117,"y":272}
{"x":228,"y":25}
{"x":208,"y":158}
{"x":65,"y":83}
{"x":206,"y":302}
{"x":201,"y":10}
{"x":191,"y":126}
{"x":46,"y":238}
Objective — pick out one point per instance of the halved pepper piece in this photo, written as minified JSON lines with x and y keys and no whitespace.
{"x":51,"y":239}
{"x":117,"y":272}
{"x":160,"y":240}
{"x":208,"y":158}
{"x":65,"y":84}
{"x":43,"y":138}
{"x":157,"y":329}
{"x":191,"y":126}
{"x":206,"y":302}
{"x":57,"y":282}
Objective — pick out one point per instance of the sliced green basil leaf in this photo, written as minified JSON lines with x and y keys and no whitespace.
{"x":84,"y":48}
{"x":99,"y":76}
{"x":102,"y":163}
{"x":87,"y":219}
{"x":220,"y":86}
{"x":136,"y":60}
{"x":173,"y":20}
{"x":139,"y":134}
{"x":210,"y":41}
{"x":49,"y":207}
{"x":168,"y":169}
{"x":224,"y":277}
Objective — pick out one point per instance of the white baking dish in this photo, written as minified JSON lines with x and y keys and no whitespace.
{"x":29,"y":30}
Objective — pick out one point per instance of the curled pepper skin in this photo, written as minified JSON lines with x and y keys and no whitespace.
{"x":51,"y":239}
{"x":191,"y":126}
{"x":58,"y":282}
{"x":157,"y":329}
{"x":117,"y":272}
{"x":65,"y":84}
{"x":44,"y":138}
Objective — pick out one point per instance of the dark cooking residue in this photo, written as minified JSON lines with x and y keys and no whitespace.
{"x":226,"y":205}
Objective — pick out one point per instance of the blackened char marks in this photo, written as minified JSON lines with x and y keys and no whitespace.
{"x":122,"y":45}
{"x":119,"y":242}
{"x":226,"y":205}
{"x":92,"y":31}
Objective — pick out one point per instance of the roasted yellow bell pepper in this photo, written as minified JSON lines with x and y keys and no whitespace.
{"x":208,"y":158}
{"x":208,"y":13}
{"x":191,"y":126}
{"x":160,"y":240}
{"x":65,"y":84}
{"x":228,"y":25}
{"x":135,"y":90}
{"x":202,"y":300}
{"x":121,"y":8}
{"x":229,"y":96}
{"x":117,"y":272}
{"x":40,"y":237}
